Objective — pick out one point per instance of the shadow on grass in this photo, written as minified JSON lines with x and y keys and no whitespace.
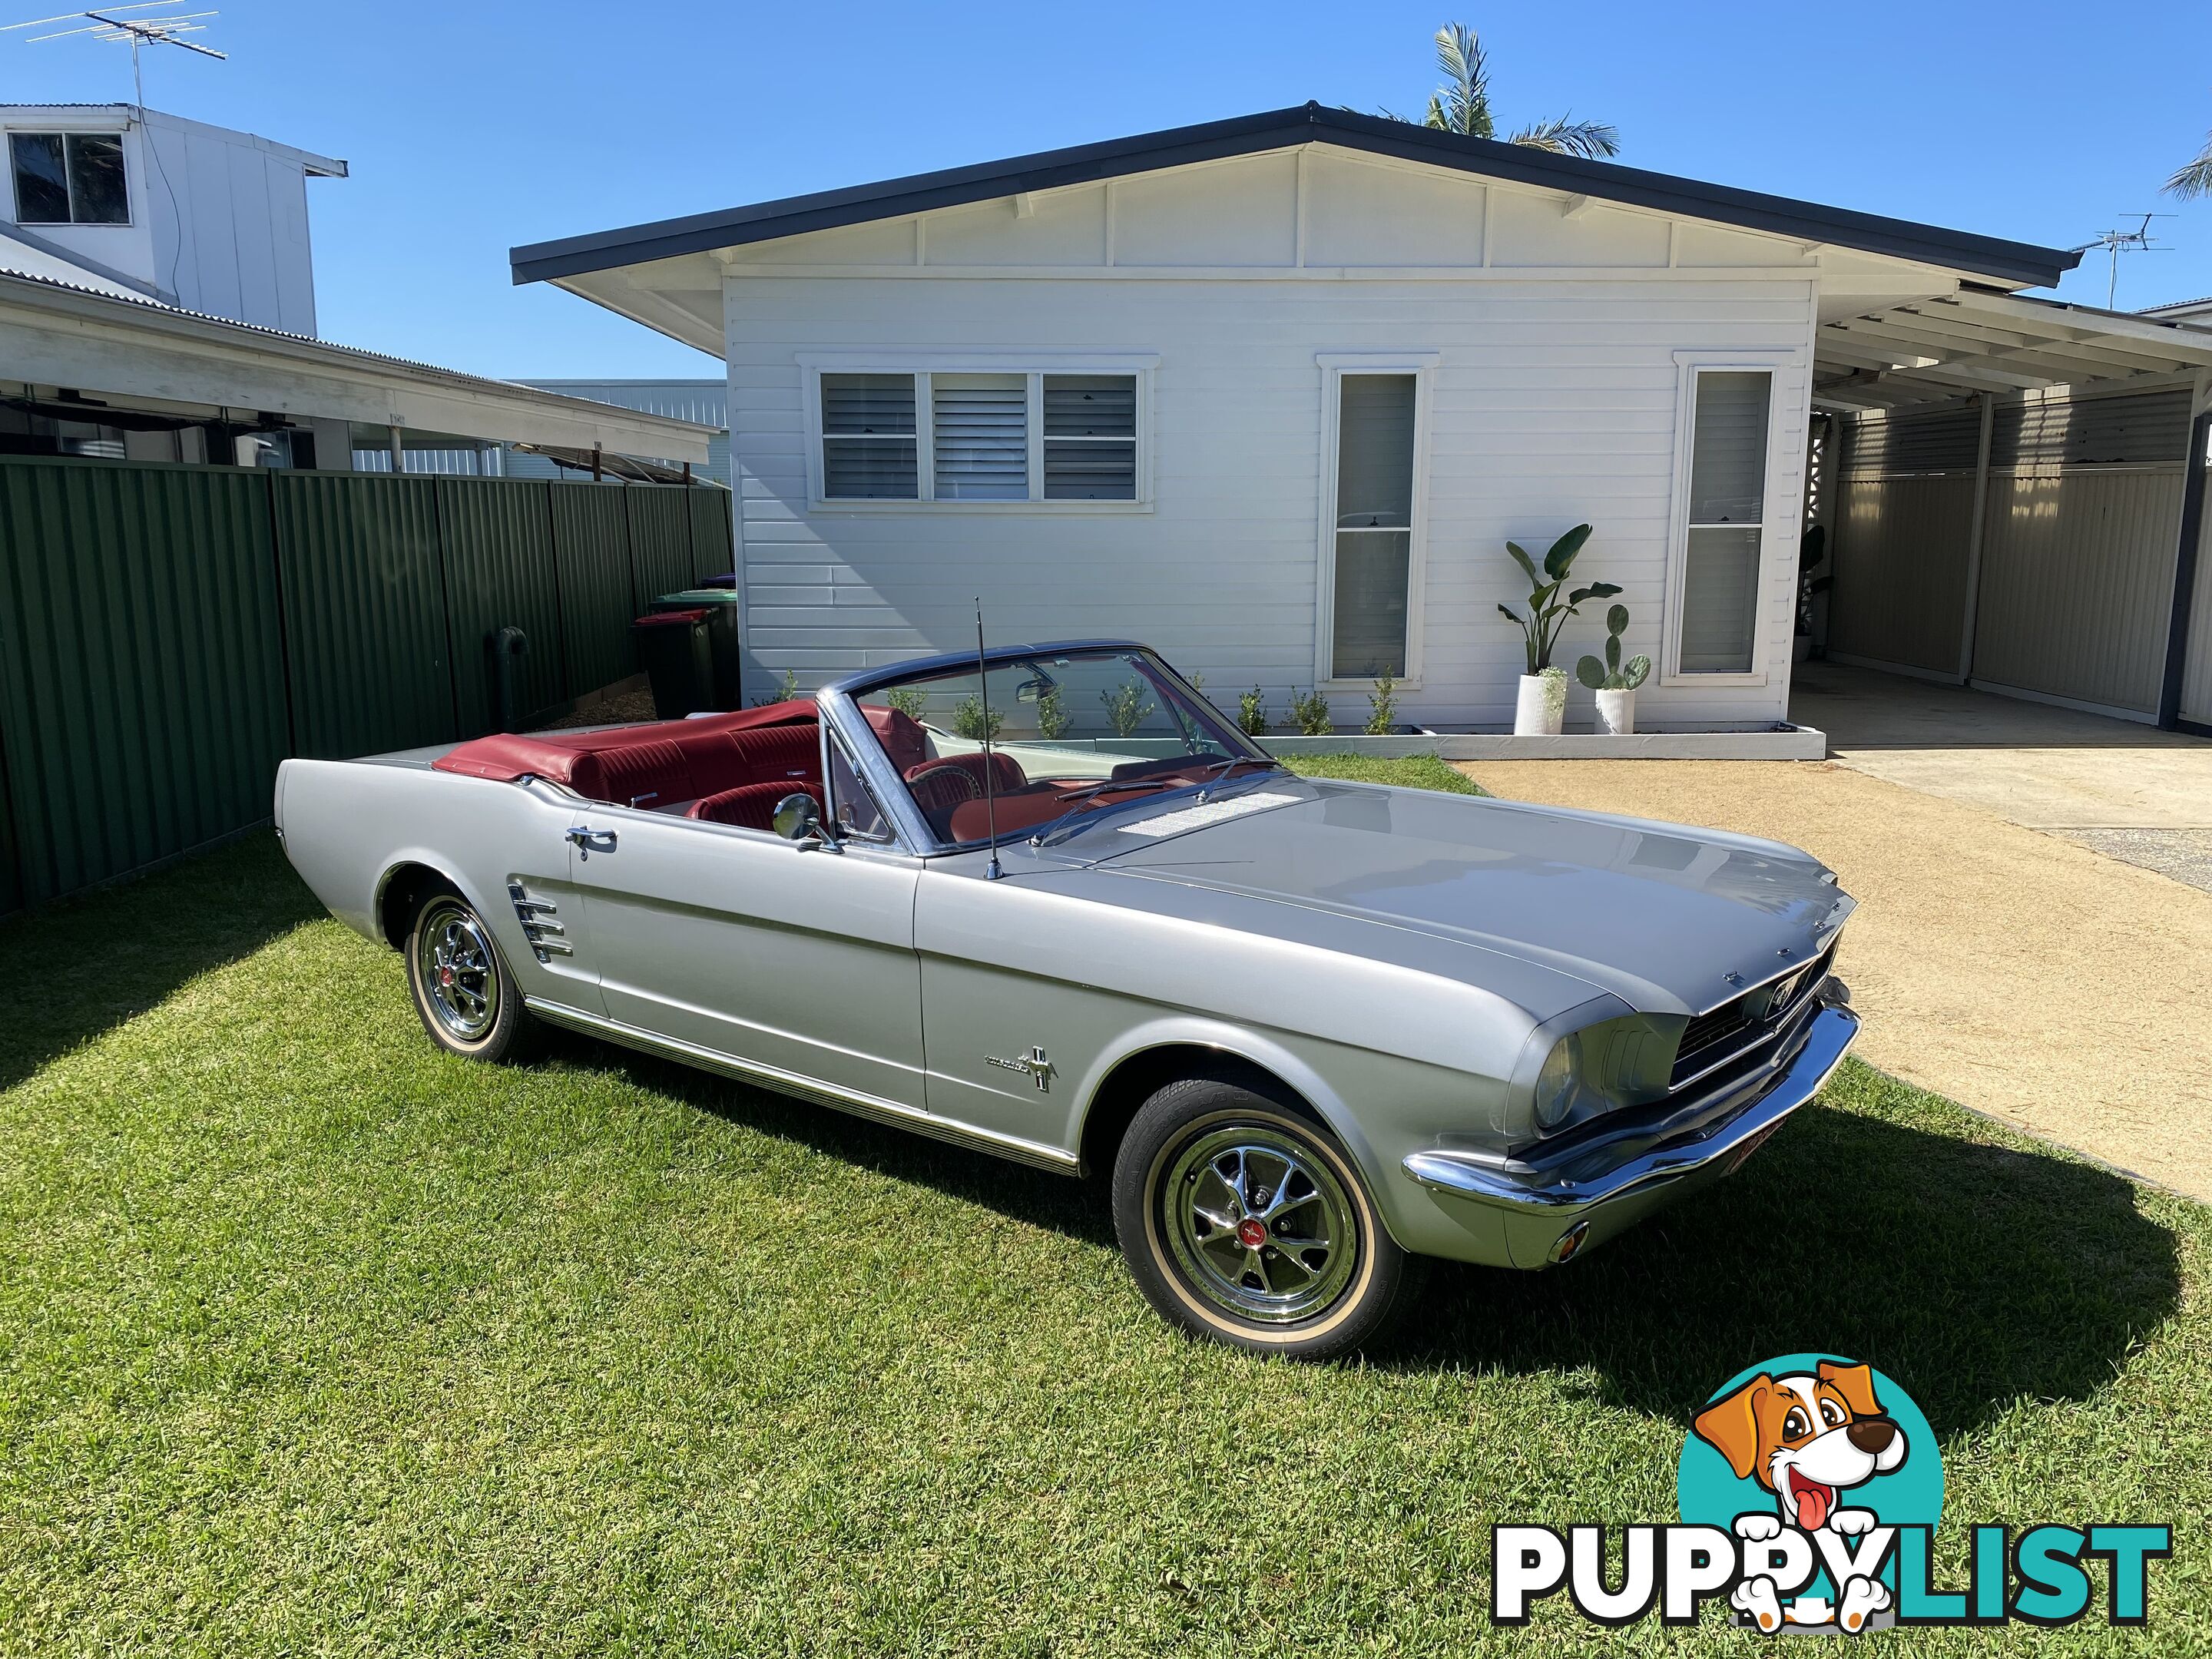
{"x":1975,"y":1274}
{"x":89,"y":964}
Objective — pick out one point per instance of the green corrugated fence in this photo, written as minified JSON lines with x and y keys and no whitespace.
{"x":167,"y":634}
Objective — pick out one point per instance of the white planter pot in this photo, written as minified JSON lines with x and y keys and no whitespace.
{"x":1616,"y":713}
{"x":1541,"y":708}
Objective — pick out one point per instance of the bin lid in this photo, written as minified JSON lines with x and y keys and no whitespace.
{"x":693,"y":598}
{"x":656,"y":618}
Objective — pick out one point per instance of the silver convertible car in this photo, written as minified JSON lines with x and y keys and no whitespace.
{"x":1047,"y":902}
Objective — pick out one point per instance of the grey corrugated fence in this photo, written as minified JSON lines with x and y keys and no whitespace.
{"x":169,"y":634}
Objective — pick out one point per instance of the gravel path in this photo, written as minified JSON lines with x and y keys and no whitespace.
{"x":2012,"y":970}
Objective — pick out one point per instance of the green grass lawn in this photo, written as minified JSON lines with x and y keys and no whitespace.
{"x":313,"y":1339}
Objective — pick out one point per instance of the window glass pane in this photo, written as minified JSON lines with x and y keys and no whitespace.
{"x":1075,"y":471}
{"x":979,"y":436}
{"x":1720,"y":601}
{"x":867,"y":403}
{"x":1089,"y":405}
{"x":873,"y":456}
{"x":41,"y":185}
{"x":868,"y":468}
{"x":1728,"y":460}
{"x":1375,"y":453}
{"x":856,"y":809}
{"x":1371,"y":603}
{"x":95,"y":171}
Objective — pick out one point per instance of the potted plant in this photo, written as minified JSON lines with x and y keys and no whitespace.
{"x":1614,"y":680}
{"x":1542,"y":706}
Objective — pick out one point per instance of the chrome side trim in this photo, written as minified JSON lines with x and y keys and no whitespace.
{"x":1463,"y":1176}
{"x":873,"y":1106}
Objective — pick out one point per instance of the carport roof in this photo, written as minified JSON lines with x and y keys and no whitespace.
{"x":1978,"y":340}
{"x":2015,"y":263}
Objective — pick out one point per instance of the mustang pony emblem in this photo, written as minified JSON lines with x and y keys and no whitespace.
{"x":1034,"y":1063}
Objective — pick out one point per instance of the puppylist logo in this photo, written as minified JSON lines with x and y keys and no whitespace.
{"x":1809,"y":1490}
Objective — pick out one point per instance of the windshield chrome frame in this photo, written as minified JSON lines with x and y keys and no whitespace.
{"x":839,"y":703}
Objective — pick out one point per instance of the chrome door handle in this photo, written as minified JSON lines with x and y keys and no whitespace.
{"x":589,"y":841}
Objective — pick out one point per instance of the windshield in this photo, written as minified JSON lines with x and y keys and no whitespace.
{"x":1071,"y":736}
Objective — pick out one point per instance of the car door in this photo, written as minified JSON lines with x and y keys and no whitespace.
{"x":795,"y":960}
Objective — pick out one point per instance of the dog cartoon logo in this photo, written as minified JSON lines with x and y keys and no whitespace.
{"x":1812,"y":1461}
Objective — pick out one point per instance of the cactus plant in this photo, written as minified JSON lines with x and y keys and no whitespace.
{"x":1612,"y":674}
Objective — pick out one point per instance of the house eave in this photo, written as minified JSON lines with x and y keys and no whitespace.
{"x":1985,"y":258}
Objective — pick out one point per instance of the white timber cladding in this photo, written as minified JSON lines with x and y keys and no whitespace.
{"x":1552,"y":350}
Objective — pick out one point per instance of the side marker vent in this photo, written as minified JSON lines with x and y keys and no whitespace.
{"x":546,"y":936}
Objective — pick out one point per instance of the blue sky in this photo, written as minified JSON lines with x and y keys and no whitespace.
{"x":470,"y":130}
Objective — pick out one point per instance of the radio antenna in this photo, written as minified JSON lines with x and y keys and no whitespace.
{"x":165,"y":29}
{"x":990,"y":765}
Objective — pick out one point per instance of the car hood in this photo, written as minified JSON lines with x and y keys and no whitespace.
{"x":1658,"y":914}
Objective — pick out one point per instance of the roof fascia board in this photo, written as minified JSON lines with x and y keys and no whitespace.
{"x":317,"y":378}
{"x":1986,"y":257}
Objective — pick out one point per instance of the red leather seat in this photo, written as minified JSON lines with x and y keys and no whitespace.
{"x":780,"y":751}
{"x":750,"y":805}
{"x":654,"y":773}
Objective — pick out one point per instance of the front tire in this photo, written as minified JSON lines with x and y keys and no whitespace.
{"x":464,"y":993}
{"x":1244,"y":1222}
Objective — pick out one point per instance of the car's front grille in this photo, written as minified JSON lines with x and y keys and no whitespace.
{"x":1714,"y":1037}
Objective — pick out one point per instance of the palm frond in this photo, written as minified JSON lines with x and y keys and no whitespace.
{"x":2196,"y":179}
{"x":1463,"y":105}
{"x":1565,"y":135}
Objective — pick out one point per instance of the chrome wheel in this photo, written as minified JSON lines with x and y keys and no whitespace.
{"x":458,"y":970}
{"x":1259,"y":1224}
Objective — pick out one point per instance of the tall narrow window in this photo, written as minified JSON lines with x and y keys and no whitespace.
{"x":1374,"y":524}
{"x":979,"y":436}
{"x":64,"y":178}
{"x":1091,"y":437}
{"x":868,"y":437}
{"x":1719,"y":607}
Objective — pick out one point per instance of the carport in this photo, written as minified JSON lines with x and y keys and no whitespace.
{"x":2013,"y":489}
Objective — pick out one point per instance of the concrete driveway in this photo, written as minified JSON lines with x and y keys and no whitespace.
{"x":2018,"y":973}
{"x":2129,"y":791}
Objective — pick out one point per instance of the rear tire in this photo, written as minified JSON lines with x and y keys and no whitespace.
{"x":464,"y":993}
{"x":1245,"y":1222}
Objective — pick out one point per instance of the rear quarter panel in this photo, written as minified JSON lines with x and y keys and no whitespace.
{"x":348,"y":825}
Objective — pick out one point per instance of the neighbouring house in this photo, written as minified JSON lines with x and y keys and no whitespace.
{"x":1273,"y":392}
{"x":157,"y":303}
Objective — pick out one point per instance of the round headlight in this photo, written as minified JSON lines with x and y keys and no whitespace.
{"x":1555,"y":1084}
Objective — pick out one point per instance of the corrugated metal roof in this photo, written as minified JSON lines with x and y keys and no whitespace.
{"x":2020,"y":263}
{"x":703,"y":400}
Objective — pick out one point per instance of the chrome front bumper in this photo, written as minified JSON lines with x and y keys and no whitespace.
{"x":1527,"y":1191}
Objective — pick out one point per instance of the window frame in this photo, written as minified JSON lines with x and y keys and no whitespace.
{"x":120,"y":135}
{"x":923,"y":365}
{"x":1334,"y":366}
{"x":1775,"y":517}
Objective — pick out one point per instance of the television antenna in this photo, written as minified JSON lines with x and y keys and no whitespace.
{"x":164,"y":28}
{"x":2117,"y":242}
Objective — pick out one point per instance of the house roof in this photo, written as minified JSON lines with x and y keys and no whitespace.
{"x":61,"y":326}
{"x":2018,"y":263}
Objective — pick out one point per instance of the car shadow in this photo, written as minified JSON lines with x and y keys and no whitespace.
{"x":1975,"y":1274}
{"x":85,"y":965}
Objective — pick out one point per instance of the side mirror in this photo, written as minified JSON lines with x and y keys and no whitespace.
{"x":797,"y":818}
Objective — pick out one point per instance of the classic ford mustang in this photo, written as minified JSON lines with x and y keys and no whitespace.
{"x":1046,"y":902}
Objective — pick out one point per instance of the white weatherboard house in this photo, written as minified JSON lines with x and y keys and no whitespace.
{"x":1273,"y":394}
